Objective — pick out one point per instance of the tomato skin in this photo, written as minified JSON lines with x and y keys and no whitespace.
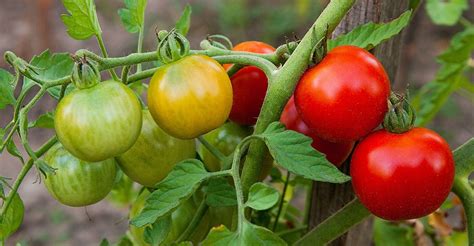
{"x":344,"y":97}
{"x":402,"y":176}
{"x":249,"y":85}
{"x":190,"y":97}
{"x":100,"y":122}
{"x":78,"y":183}
{"x":336,"y":153}
{"x":154,"y":154}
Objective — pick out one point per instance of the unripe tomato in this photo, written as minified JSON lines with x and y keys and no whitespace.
{"x":249,"y":85}
{"x":225,"y":139}
{"x":78,"y":183}
{"x":336,"y":153}
{"x":402,"y":176}
{"x":190,"y":97}
{"x":154,"y":154}
{"x":344,"y":97}
{"x":100,"y":122}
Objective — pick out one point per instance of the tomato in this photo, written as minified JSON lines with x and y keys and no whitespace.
{"x":180,"y":220}
{"x":402,"y":176}
{"x":78,"y":183}
{"x":225,"y":139}
{"x":154,"y":154}
{"x":336,"y":153}
{"x":344,"y":97}
{"x":100,"y":122}
{"x":190,"y":97}
{"x":249,"y":85}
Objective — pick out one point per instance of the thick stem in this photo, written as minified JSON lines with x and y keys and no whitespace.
{"x":465,"y":192}
{"x":267,"y":67}
{"x":336,"y":225}
{"x":281,"y":89}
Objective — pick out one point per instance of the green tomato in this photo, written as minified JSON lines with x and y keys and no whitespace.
{"x":180,"y":220}
{"x":99,"y":122}
{"x":154,"y":154}
{"x":78,"y":183}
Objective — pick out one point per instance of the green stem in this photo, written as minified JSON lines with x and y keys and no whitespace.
{"x":267,"y":67}
{"x":104,"y":53}
{"x":336,"y":225}
{"x":199,"y":214}
{"x":282,"y":200}
{"x":141,"y":75}
{"x":285,"y":80}
{"x":234,"y":69}
{"x":139,"y":48}
{"x":465,"y":192}
{"x":214,"y":151}
{"x":124,"y":75}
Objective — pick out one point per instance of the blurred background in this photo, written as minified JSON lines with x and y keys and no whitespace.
{"x":30,"y":27}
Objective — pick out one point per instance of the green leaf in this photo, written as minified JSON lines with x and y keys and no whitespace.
{"x":262,"y":196}
{"x":13,"y":150}
{"x":182,"y":25}
{"x":51,"y":66}
{"x":369,"y":35}
{"x":12,"y":218}
{"x":432,"y":96}
{"x":445,"y":12}
{"x":43,"y":121}
{"x":464,"y":158}
{"x":220,"y":193}
{"x":158,"y":231}
{"x":133,"y":15}
{"x":293,"y":151}
{"x":104,"y":242}
{"x":81,"y":22}
{"x":6,"y":89}
{"x":389,"y":234}
{"x":179,"y":185}
{"x":251,"y":235}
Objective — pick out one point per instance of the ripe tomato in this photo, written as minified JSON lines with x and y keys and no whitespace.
{"x":249,"y":85}
{"x":154,"y":154}
{"x":336,"y":153}
{"x":345,"y":96}
{"x":402,"y":176}
{"x":190,"y":97}
{"x":225,"y":139}
{"x":78,"y":183}
{"x":100,"y":122}
{"x":180,"y":220}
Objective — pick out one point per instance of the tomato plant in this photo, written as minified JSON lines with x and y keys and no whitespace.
{"x":345,"y":96}
{"x":76,"y":182}
{"x":154,"y":153}
{"x":190,"y":97}
{"x":249,"y":86}
{"x":99,"y":122}
{"x":402,"y":176}
{"x":336,"y":153}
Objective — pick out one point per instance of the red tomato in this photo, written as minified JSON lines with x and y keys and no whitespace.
{"x":402,"y":176}
{"x":249,"y":85}
{"x":345,"y":96}
{"x":336,"y":153}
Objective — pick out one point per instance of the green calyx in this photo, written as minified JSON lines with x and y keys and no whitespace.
{"x":172,"y":46}
{"x":85,"y":73}
{"x":401,"y":115}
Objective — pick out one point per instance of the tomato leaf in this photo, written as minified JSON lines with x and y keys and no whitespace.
{"x":293,"y":151}
{"x":104,"y":242}
{"x":251,"y":235}
{"x":444,"y":12}
{"x":262,"y":196}
{"x":133,"y":15}
{"x":369,"y":35}
{"x":387,"y":233}
{"x":220,"y":193}
{"x":182,"y":25}
{"x":464,"y":158}
{"x":158,"y":231}
{"x":13,"y":150}
{"x":431,"y":97}
{"x":43,"y":121}
{"x":51,"y":66}
{"x":13,"y":217}
{"x":81,"y":21}
{"x":179,"y":185}
{"x":6,"y":89}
